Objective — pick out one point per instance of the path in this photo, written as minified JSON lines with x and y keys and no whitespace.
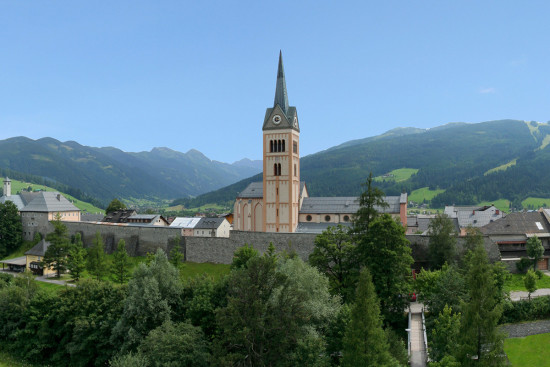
{"x":42,"y":279}
{"x":518,"y":295}
{"x":418,"y":349}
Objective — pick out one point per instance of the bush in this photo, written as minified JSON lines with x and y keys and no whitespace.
{"x":539,"y":274}
{"x":525,"y":310}
{"x":523,"y":264}
{"x":5,"y":279}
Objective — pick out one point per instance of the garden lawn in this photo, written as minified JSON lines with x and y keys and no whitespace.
{"x":50,"y":288}
{"x":529,"y":351}
{"x":216,"y":271}
{"x":515,"y":283}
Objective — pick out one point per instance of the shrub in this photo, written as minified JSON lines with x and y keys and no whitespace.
{"x":525,"y":310}
{"x":523,"y":264}
{"x":539,"y":274}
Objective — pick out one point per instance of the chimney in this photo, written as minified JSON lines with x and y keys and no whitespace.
{"x":497,"y":212}
{"x":58,"y":197}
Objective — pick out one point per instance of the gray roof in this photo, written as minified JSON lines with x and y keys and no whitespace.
{"x":308,"y":227}
{"x":91,"y":217}
{"x":39,"y":249}
{"x":47,"y":201}
{"x":281,"y":97}
{"x":253,"y":190}
{"x":209,"y":223}
{"x":20,"y":261}
{"x":144,"y":216}
{"x":346,"y":205}
{"x":16,"y":199}
{"x":119,"y":216}
{"x":474,"y":216}
{"x":185,"y":222}
{"x":518,"y":224}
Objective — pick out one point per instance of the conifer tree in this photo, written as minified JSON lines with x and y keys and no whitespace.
{"x":176,"y":257}
{"x":97,"y":261}
{"x":370,"y":199}
{"x":481,"y":341}
{"x":76,"y":259}
{"x":120,"y":268}
{"x":11,"y":229}
{"x":365,"y":342}
{"x":442,"y":243}
{"x":56,"y":254}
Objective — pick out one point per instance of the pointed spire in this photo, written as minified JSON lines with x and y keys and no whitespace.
{"x":281,"y":97}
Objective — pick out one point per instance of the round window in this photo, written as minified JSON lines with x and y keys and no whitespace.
{"x":346,"y":218}
{"x":308,"y":218}
{"x":327,"y":218}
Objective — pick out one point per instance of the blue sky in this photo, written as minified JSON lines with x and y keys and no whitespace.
{"x":182,"y":74}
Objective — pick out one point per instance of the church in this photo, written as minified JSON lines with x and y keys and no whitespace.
{"x":280,"y":203}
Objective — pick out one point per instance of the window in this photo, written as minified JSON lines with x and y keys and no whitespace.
{"x":295,"y":147}
{"x":327,"y":218}
{"x":271,"y":146}
{"x":283,"y":146}
{"x":276,"y":169}
{"x":346,"y":218}
{"x":308,"y":218}
{"x":295,"y":169}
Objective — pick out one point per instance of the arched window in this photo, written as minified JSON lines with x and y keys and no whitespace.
{"x":283,"y":146}
{"x":279,"y":167}
{"x":275,"y":169}
{"x":271,"y":146}
{"x":278,"y":145}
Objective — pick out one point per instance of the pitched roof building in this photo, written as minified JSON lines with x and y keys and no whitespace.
{"x":280,"y":203}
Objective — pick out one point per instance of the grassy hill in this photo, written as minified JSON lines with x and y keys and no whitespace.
{"x":464,"y":164}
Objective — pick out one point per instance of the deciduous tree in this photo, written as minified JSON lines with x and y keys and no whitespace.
{"x":444,"y":334}
{"x":335,"y":255}
{"x":115,"y":205}
{"x":176,"y":257}
{"x":242,"y":255}
{"x":530,"y":282}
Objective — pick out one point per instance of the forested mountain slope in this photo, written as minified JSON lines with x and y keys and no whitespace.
{"x":105,"y":173}
{"x":454,"y":157}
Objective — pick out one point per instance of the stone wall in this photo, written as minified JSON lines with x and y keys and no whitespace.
{"x":139,"y":239}
{"x":220,"y":250}
{"x":143,"y":239}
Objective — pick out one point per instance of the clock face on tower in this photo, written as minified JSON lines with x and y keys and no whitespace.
{"x":276,"y":119}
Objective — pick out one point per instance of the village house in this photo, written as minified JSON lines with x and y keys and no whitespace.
{"x":186,"y":224}
{"x":473,"y":216}
{"x":212,"y":227}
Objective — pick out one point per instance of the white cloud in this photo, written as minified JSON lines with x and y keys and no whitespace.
{"x":487,"y":90}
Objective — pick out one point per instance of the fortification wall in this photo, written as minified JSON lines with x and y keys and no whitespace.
{"x":139,"y":239}
{"x":220,"y":250}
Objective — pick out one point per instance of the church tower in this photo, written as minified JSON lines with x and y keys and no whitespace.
{"x":7,"y":187}
{"x":281,"y":158}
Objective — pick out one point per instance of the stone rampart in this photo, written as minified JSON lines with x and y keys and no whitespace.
{"x":139,"y":239}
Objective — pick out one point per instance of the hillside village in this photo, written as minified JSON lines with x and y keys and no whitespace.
{"x":279,"y":220}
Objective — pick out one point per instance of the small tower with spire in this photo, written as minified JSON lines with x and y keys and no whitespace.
{"x":281,"y":158}
{"x":7,"y":187}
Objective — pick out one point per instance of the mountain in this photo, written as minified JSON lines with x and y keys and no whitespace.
{"x":504,"y":159}
{"x":109,"y":172}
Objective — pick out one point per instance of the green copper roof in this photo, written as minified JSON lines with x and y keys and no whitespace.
{"x":281,"y":97}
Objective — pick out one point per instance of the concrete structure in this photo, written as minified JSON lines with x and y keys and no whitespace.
{"x":280,"y":203}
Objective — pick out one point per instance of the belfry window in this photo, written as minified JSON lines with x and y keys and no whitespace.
{"x":276,"y":169}
{"x":294,"y":147}
{"x":283,"y":146}
{"x":271,"y":146}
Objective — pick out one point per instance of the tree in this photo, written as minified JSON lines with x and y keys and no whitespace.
{"x":154,"y":295}
{"x":534,"y":249}
{"x":175,"y":344}
{"x":442,"y":243}
{"x":387,"y":254}
{"x":440,"y":288}
{"x":264,"y":319}
{"x":481,"y":341}
{"x":120,"y":268}
{"x":365,"y":342}
{"x":56,"y":254}
{"x":370,"y":201}
{"x":335,"y":255}
{"x":11,"y":229}
{"x":115,"y":205}
{"x":76,"y":259}
{"x":97,"y":260}
{"x":176,"y":257}
{"x":530,"y":282}
{"x":242,"y":255}
{"x":445,"y":334}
